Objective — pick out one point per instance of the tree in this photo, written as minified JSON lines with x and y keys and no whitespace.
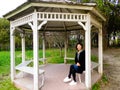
{"x":4,"y":34}
{"x":111,"y":9}
{"x":113,"y":20}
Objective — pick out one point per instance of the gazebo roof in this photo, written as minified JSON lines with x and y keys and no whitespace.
{"x":55,"y":6}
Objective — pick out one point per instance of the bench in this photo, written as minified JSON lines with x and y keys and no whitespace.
{"x":29,"y":70}
{"x":40,"y":59}
{"x":93,"y":66}
{"x":24,"y":68}
{"x":43,"y":60}
{"x":69,"y":58}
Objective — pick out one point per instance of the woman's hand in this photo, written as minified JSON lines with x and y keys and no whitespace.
{"x":78,"y":64}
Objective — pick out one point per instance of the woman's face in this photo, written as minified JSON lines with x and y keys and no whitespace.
{"x":79,"y":47}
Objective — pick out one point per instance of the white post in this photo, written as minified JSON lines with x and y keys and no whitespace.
{"x":88,"y":53}
{"x":35,"y":52}
{"x":12,"y":53}
{"x":35,"y":27}
{"x":65,"y":61}
{"x":100,"y":68}
{"x":23,"y":47}
{"x":44,"y":48}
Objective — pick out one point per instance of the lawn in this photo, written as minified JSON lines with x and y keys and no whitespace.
{"x":5,"y":83}
{"x":52,"y":55}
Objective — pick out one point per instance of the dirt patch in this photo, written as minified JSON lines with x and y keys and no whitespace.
{"x":112,"y":69}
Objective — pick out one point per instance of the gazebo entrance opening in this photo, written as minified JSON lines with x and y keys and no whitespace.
{"x":43,"y":16}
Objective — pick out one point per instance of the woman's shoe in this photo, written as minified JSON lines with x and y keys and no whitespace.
{"x":72,"y":83}
{"x":67,"y":79}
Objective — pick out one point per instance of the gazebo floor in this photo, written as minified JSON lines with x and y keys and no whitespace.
{"x":54,"y":75}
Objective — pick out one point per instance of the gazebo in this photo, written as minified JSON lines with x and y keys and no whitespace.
{"x":54,"y":15}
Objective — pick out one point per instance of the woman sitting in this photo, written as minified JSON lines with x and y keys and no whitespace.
{"x":79,"y":65}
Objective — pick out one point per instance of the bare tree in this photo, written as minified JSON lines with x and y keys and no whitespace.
{"x":56,"y":39}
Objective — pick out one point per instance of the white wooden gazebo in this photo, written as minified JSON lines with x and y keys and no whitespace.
{"x":58,"y":15}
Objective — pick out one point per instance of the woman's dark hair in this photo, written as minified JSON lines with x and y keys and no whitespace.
{"x":80,"y":44}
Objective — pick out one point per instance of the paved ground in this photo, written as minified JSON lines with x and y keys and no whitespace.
{"x":54,"y":75}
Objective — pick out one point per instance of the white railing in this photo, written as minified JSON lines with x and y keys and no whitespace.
{"x":23,"y":20}
{"x":50,"y":16}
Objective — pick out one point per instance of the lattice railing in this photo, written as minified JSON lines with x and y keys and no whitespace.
{"x":50,"y":16}
{"x":22,"y":21}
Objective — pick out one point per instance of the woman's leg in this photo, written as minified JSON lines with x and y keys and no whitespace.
{"x":74,"y":75}
{"x":72,"y":72}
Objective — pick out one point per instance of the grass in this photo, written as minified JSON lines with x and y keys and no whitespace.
{"x":52,"y":55}
{"x":4,"y":62}
{"x":96,"y":86}
{"x":100,"y":83}
{"x":7,"y":85}
{"x":94,"y":58}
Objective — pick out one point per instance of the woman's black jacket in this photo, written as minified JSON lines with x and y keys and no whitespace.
{"x":81,"y":60}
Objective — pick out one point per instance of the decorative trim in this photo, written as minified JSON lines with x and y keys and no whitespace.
{"x":52,"y":16}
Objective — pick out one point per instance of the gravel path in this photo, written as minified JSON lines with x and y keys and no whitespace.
{"x":112,"y":69}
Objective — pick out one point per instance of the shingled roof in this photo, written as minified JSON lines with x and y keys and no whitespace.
{"x":54,"y":6}
{"x":49,"y":5}
{"x":47,"y":0}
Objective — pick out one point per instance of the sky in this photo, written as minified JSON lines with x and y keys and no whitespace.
{"x":9,"y":5}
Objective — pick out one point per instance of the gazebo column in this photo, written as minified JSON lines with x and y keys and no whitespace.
{"x":35,"y":58}
{"x":12,"y":53}
{"x":65,"y":60}
{"x":100,"y":50}
{"x":35,"y":27}
{"x":23,"y":47}
{"x":44,"y":48}
{"x":87,"y":28}
{"x":35,"y":52}
{"x":88,"y":53}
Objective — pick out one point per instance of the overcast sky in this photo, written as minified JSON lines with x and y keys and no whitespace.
{"x":8,"y":5}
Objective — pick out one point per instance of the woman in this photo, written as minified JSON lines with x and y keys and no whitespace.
{"x":79,"y":65}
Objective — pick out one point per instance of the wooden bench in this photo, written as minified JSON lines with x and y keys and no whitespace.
{"x":69,"y":58}
{"x":43,"y":60}
{"x":40,"y":59}
{"x":93,"y":64}
{"x":29,"y":70}
{"x":24,"y":68}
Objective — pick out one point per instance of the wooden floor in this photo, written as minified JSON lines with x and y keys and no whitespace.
{"x":54,"y":75}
